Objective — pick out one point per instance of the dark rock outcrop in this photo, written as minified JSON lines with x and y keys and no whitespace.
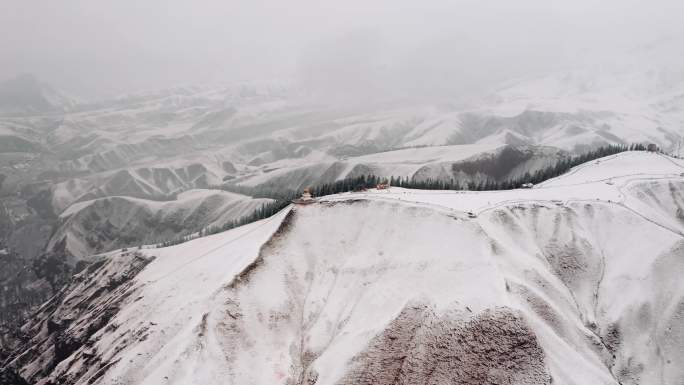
{"x":59,"y":336}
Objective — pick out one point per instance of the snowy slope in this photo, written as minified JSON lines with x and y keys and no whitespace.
{"x":609,"y":179}
{"x":154,"y":145}
{"x":160,"y":182}
{"x":462,"y":163}
{"x":104,"y":224}
{"x":261,"y":127}
{"x":405,"y":163}
{"x":599,"y":104}
{"x":577,"y":281}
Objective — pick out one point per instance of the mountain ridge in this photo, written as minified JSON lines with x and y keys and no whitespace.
{"x":542,"y":271}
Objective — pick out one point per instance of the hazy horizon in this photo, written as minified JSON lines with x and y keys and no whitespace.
{"x":383,"y":47}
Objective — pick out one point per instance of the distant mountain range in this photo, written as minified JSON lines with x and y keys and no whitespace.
{"x":576,"y":281}
{"x":82,"y":178}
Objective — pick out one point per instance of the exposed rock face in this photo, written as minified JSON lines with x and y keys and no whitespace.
{"x":9,"y":377}
{"x":26,"y":284}
{"x":71,"y":321}
{"x":421,"y":348}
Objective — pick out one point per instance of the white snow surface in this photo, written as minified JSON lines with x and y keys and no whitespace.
{"x":399,"y":163}
{"x":183,"y":284}
{"x":407,"y":161}
{"x":602,"y":180}
{"x":594,"y":268}
{"x":192,"y":209}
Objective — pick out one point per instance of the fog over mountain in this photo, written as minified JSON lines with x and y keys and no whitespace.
{"x":360,"y":192}
{"x":442,"y":47}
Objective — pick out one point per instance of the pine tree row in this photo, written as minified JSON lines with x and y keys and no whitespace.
{"x":557,"y":169}
{"x":283,"y":197}
{"x":264,"y":211}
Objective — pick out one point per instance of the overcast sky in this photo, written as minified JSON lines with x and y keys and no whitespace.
{"x":94,"y":48}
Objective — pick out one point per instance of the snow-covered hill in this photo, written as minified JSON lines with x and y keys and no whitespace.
{"x":259,"y":128}
{"x":462,"y":163}
{"x":595,"y":104}
{"x":135,"y":145}
{"x":104,"y":224}
{"x":576,"y":281}
{"x":161,"y":182}
{"x":56,"y":154}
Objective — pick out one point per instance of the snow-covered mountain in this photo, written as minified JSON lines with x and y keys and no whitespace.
{"x":82,"y":178}
{"x":462,"y":163}
{"x":576,"y":281}
{"x":256,"y":126}
{"x":581,"y":106}
{"x":261,"y":128}
{"x":104,"y":224}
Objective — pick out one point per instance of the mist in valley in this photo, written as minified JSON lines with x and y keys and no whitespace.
{"x":357,"y":192}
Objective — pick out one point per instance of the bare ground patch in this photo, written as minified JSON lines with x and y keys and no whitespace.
{"x":422,"y":348}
